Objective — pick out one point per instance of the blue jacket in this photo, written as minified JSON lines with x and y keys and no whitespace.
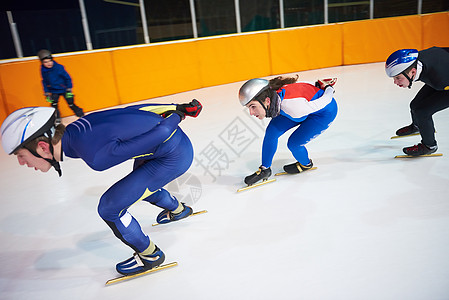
{"x":55,"y":80}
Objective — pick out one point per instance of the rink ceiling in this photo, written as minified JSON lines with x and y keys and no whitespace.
{"x":362,"y":226}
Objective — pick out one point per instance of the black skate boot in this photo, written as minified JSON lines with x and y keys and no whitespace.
{"x":407,"y":130}
{"x":261,"y":174}
{"x":420,"y":149}
{"x":297,"y":167}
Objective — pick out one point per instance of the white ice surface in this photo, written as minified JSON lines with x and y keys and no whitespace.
{"x":362,"y":226}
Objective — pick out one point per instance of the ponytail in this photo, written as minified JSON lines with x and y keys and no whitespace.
{"x":277,"y":82}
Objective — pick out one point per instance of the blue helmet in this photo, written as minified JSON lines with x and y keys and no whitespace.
{"x":399,"y":61}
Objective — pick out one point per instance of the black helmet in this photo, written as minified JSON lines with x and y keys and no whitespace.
{"x":44,"y":54}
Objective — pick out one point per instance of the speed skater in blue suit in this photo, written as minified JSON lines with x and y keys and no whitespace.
{"x":147,"y":133}
{"x":308,"y":107}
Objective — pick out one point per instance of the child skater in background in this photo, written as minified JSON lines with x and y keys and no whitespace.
{"x":57,"y":82}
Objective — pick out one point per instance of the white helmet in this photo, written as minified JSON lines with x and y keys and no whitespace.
{"x":251,"y":89}
{"x":26,"y":124}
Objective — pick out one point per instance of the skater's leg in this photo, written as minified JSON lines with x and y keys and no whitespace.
{"x":70,"y":98}
{"x":277,"y":127}
{"x":426,"y":103}
{"x":163,"y":199}
{"x":114,"y":204}
{"x":141,"y":184}
{"x":54,"y":103}
{"x":309,"y":129}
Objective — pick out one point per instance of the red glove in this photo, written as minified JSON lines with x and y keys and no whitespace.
{"x":323,"y":83}
{"x":192,"y":109}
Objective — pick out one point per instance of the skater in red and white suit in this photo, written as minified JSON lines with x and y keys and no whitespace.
{"x":310,"y":108}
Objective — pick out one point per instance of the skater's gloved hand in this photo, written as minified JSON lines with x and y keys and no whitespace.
{"x":48,"y":97}
{"x":169,"y":112}
{"x":68,"y":93}
{"x":191,"y":109}
{"x":324,"y":83}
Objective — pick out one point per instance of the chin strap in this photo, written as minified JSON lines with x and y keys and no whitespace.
{"x":274,"y":109}
{"x":410,"y":80}
{"x":264,"y":107}
{"x":55,"y":164}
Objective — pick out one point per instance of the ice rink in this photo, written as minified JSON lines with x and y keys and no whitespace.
{"x":364,"y":225}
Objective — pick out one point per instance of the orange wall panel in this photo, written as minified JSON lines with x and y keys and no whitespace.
{"x":93,"y":81}
{"x":435,"y":30}
{"x":374,"y":40}
{"x":235,"y":58}
{"x":306,"y":48}
{"x":22,"y":85}
{"x":156,"y":70}
{"x":93,"y":84}
{"x":4,"y":111}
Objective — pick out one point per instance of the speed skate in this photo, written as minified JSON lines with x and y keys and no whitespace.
{"x":265,"y":181}
{"x":193,"y":214}
{"x":127,"y":277}
{"x":423,"y":155}
{"x":286,"y":173}
{"x":404,"y":136}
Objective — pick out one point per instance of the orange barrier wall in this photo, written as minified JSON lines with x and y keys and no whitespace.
{"x":306,"y":48}
{"x":3,"y":108}
{"x":92,"y":77}
{"x":21,"y":85}
{"x":435,"y":30}
{"x":374,"y":40}
{"x":233,"y":58}
{"x":111,"y":77}
{"x":156,"y":70}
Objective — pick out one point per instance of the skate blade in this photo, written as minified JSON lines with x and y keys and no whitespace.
{"x":255,"y":185}
{"x":425,"y":155}
{"x":404,"y":136}
{"x":127,"y":277}
{"x":285,"y":173}
{"x":193,"y":214}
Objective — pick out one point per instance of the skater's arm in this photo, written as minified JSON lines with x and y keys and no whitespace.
{"x":66,"y":77}
{"x":155,"y":108}
{"x":192,"y":109}
{"x":44,"y":82}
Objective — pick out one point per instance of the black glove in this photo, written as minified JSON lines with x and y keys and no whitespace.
{"x":191,"y":109}
{"x":169,"y":112}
